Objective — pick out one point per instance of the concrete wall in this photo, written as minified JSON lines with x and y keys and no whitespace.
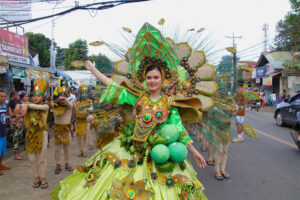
{"x":293,"y":83}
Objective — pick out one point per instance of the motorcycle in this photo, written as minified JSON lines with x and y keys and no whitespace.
{"x":255,"y":105}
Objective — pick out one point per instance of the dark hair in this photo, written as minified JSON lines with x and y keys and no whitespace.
{"x":2,"y":91}
{"x":152,"y":67}
{"x":22,"y":95}
{"x":13,"y":93}
{"x":240,"y":83}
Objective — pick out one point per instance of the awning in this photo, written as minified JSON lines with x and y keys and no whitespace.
{"x":276,"y":73}
{"x":27,"y":66}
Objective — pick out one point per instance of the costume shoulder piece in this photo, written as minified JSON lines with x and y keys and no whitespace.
{"x":187,"y":75}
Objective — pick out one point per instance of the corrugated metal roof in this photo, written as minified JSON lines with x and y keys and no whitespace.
{"x":278,"y":58}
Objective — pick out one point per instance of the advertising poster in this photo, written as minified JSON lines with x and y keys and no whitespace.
{"x":14,"y":46}
{"x":267,"y":81}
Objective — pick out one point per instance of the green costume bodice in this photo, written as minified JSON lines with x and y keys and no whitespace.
{"x":150,"y":116}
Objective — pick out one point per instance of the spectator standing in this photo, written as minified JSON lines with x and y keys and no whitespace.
{"x":19,"y":112}
{"x":261,"y":93}
{"x":72,"y":98}
{"x":283,"y":95}
{"x":263,"y":101}
{"x":273,"y":99}
{"x":3,"y":110}
{"x":15,"y":124}
{"x":279,"y":100}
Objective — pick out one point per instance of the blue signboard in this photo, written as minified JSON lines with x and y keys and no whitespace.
{"x":262,"y":71}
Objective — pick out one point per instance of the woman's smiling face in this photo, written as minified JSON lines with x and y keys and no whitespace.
{"x":154,"y":80}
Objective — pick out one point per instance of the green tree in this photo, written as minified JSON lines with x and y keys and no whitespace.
{"x":77,"y":50}
{"x":60,"y":56}
{"x":288,"y":34}
{"x":40,"y":44}
{"x":102,"y":63}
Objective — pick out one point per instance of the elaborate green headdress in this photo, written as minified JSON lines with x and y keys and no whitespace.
{"x":151,"y":48}
{"x":182,"y":67}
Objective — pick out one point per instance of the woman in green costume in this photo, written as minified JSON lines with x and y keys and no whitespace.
{"x":148,"y":159}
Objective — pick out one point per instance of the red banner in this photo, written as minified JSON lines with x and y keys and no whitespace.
{"x":14,"y":46}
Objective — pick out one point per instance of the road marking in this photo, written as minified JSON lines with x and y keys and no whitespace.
{"x":276,"y":138}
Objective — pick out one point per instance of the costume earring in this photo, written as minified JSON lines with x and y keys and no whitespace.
{"x":164,"y":85}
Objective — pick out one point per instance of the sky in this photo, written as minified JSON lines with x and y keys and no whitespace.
{"x":220,"y":18}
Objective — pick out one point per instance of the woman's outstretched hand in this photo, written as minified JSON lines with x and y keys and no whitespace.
{"x":89,"y":65}
{"x":197,"y":156}
{"x":199,"y":159}
{"x":101,"y":77}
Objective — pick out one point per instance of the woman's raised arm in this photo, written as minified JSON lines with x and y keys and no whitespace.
{"x":101,"y":77}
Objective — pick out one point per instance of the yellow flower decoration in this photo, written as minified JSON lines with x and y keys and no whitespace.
{"x":129,"y":189}
{"x":91,"y":179}
{"x":185,"y":195}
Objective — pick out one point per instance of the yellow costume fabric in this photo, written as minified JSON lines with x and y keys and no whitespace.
{"x":35,"y":122}
{"x":81,"y":109}
{"x":61,"y":133}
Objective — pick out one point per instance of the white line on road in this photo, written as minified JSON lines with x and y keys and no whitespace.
{"x":276,"y":138}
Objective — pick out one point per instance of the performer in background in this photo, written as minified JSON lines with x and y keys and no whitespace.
{"x":62,"y":110}
{"x":240,"y":112}
{"x":82,"y":109}
{"x":36,"y":135}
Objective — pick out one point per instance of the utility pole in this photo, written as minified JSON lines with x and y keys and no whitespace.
{"x":233,"y":37}
{"x":52,"y":48}
{"x":265,"y":29}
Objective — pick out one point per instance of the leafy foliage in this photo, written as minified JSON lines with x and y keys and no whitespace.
{"x":288,"y":34}
{"x":60,"y":56}
{"x":294,"y":64}
{"x":102,"y":63}
{"x":77,"y":50}
{"x":226,"y":62}
{"x":40,"y":44}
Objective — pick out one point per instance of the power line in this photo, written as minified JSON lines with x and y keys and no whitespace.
{"x":233,"y":39}
{"x":254,"y":48}
{"x":105,"y":5}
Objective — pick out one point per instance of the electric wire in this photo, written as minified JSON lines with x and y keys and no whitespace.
{"x":105,"y":5}
{"x":255,"y":47}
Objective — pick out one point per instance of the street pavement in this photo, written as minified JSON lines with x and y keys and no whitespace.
{"x":266,"y":168}
{"x":16,"y":183}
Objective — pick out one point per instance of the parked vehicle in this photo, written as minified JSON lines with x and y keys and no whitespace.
{"x":288,"y":112}
{"x":255,"y":105}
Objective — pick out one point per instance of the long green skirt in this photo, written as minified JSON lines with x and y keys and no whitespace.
{"x":114,"y":173}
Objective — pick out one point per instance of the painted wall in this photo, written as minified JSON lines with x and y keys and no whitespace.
{"x":293,"y":84}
